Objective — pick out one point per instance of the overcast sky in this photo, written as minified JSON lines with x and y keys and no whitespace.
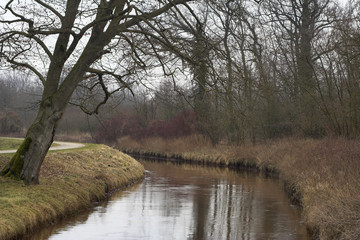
{"x":3,"y":2}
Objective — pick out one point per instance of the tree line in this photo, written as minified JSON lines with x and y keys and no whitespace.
{"x":267,"y":69}
{"x":248,"y":69}
{"x":257,"y":70}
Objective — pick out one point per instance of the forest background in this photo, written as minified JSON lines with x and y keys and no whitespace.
{"x":264,"y":70}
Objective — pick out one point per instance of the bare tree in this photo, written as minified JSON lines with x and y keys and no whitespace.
{"x":191,"y":34}
{"x":296,"y":25}
{"x":337,"y":73}
{"x":73,"y":41}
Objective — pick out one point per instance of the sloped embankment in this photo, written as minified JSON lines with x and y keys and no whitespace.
{"x":70,"y":181}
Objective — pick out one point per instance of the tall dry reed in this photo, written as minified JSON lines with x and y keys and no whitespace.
{"x":324,"y":175}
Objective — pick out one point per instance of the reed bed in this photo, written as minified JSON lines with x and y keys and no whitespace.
{"x":322,"y":176}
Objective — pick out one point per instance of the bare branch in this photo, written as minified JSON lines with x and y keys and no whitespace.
{"x":28,"y":66}
{"x":118,"y":77}
{"x":30,"y":36}
{"x":21,"y":18}
{"x":106,"y":92}
{"x":146,"y":16}
{"x":50,"y":8}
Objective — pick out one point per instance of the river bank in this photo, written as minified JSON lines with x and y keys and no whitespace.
{"x":322,"y":176}
{"x":188,"y":201}
{"x":70,"y":181}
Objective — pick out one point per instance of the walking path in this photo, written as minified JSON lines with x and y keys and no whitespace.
{"x":59,"y":146}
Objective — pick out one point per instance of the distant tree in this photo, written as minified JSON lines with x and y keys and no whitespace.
{"x":296,"y":25}
{"x":194,"y":34}
{"x":338,"y":73}
{"x":10,"y":122}
{"x":75,"y":42}
{"x":169,"y":101}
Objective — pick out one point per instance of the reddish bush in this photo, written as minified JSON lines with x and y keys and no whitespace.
{"x":116,"y":127}
{"x":182,"y":124}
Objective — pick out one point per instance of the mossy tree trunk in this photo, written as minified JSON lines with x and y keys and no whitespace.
{"x":68,"y":63}
{"x":26,"y":162}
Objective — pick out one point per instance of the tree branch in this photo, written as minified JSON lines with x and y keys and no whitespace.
{"x":107,"y":93}
{"x":22,"y":18}
{"x":30,"y":36}
{"x":118,"y":77}
{"x":28,"y":66}
{"x":50,"y":8}
{"x":137,"y":19}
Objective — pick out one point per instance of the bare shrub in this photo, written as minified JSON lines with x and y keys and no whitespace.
{"x":117,"y":127}
{"x":181,"y":125}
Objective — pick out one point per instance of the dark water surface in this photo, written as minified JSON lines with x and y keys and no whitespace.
{"x":188,"y":202}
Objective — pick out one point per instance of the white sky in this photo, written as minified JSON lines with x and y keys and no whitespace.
{"x":3,"y":2}
{"x":343,"y":2}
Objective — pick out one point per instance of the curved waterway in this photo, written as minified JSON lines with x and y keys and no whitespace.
{"x":188,"y":202}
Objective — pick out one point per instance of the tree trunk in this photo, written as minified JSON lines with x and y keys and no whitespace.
{"x":109,"y":20}
{"x":26,"y":162}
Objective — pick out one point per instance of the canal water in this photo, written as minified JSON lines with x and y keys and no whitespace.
{"x":188,"y":202}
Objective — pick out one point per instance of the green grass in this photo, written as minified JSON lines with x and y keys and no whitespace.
{"x":69,"y":182}
{"x":9,"y":143}
{"x":13,"y":143}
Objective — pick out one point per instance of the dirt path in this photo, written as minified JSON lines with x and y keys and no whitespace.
{"x":59,"y":146}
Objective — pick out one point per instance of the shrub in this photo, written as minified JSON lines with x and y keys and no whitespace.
{"x":181,"y":125}
{"x":118,"y":126}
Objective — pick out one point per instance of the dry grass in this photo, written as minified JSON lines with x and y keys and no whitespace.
{"x":69,"y":181}
{"x":157,"y":144}
{"x":75,"y":137}
{"x":323,"y":175}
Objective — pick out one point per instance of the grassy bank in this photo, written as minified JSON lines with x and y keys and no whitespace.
{"x":323,"y":176}
{"x":9,"y":143}
{"x":70,"y":181}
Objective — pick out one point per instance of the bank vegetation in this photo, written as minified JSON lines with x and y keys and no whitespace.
{"x":322,"y":176}
{"x":70,"y":181}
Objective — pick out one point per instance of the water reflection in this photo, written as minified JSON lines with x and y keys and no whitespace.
{"x":189,"y":202}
